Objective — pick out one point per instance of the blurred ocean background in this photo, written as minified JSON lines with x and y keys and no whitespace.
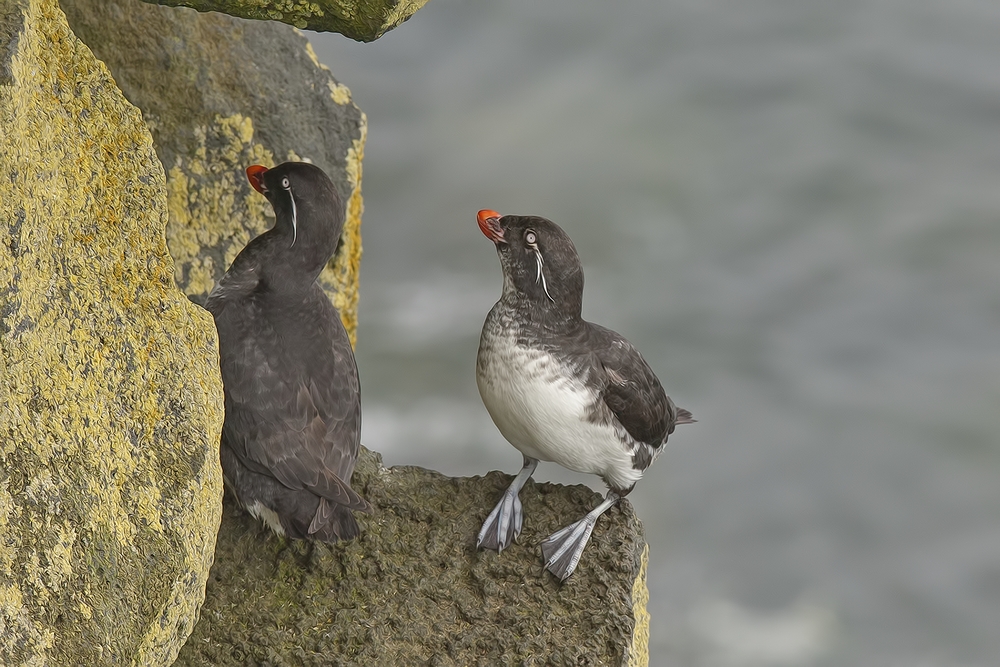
{"x":793,"y":210}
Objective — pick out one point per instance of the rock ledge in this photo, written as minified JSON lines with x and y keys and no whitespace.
{"x":413,"y":589}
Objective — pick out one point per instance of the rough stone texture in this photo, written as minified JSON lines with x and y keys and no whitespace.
{"x":110,"y":398}
{"x":363,"y":20}
{"x":413,"y":589}
{"x":220,"y":94}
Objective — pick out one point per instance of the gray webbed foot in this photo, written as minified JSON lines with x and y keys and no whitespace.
{"x":503,"y":525}
{"x":562,"y":549}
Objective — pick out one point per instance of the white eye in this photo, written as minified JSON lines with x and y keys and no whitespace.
{"x":529,"y":238}
{"x":284,"y":183}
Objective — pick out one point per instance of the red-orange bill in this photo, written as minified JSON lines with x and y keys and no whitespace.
{"x":489,"y":224}
{"x":254,"y":174}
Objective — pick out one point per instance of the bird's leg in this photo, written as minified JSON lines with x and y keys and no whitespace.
{"x":563,"y":548}
{"x":503,"y":525}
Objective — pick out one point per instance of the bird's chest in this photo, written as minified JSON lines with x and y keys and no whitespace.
{"x":538,"y":403}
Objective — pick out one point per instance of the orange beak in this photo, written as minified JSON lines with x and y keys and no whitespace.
{"x":489,"y":224}
{"x":255,"y":174}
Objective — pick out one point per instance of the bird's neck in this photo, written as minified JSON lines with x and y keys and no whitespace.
{"x":541,"y":314}
{"x":294,"y":267}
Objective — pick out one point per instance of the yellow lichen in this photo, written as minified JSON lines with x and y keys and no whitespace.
{"x":402,"y":11}
{"x":206,"y":217}
{"x":105,"y":370}
{"x":312,"y":53}
{"x":61,"y":557}
{"x":342,"y":275}
{"x":639,"y":651}
{"x":339,"y":93}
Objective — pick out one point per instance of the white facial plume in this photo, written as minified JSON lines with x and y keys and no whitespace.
{"x":295,"y":219}
{"x":531,"y":239}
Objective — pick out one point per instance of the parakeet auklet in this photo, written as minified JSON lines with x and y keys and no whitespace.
{"x":559,"y":388}
{"x":293,"y":406}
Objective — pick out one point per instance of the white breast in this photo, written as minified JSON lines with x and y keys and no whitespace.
{"x":545,"y":413}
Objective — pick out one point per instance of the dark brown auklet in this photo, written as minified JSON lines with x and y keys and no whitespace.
{"x":560,"y":388}
{"x":293,"y":406}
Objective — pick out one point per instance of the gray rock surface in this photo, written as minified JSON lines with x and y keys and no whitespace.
{"x":220,"y":94}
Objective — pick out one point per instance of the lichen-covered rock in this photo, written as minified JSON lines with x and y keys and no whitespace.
{"x":110,"y":397}
{"x":413,"y":589}
{"x":363,"y":20}
{"x":220,"y":94}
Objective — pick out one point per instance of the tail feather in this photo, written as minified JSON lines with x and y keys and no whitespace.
{"x":684,"y":417}
{"x":330,"y":487}
{"x":333,"y":523}
{"x":681,"y":416}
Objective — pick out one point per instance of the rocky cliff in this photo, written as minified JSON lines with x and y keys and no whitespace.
{"x":219,"y":94}
{"x":363,"y":20}
{"x":413,"y":589}
{"x":109,"y":486}
{"x":110,"y":398}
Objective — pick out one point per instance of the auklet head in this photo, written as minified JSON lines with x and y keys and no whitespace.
{"x":539,"y":261}
{"x":309,"y":216}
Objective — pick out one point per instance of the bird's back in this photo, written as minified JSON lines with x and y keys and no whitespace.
{"x":285,"y":366}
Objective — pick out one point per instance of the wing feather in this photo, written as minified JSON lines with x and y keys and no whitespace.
{"x":630,"y":389}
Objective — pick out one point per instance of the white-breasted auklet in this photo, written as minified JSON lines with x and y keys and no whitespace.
{"x":293,"y":406}
{"x":560,"y":388}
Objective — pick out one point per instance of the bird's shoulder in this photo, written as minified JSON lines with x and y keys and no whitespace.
{"x":241,"y":280}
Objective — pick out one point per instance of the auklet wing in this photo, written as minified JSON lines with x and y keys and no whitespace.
{"x":630,"y":395}
{"x":240,"y":281}
{"x":309,"y":441}
{"x":633,"y":393}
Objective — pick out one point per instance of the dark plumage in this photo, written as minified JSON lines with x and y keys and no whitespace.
{"x":293,"y":406}
{"x":560,"y":388}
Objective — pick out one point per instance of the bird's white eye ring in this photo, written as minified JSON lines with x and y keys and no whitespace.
{"x":285,"y":184}
{"x":530,"y":238}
